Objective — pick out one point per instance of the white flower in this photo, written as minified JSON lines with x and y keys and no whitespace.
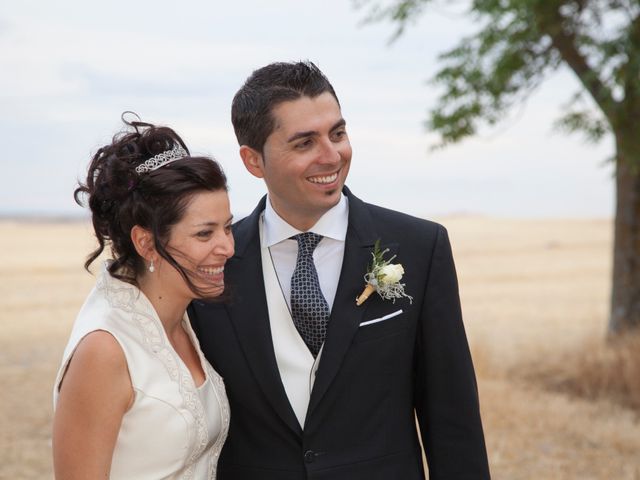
{"x":383,"y":277}
{"x":391,"y":273}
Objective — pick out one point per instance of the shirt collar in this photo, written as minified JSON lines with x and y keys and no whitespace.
{"x":332,"y":224}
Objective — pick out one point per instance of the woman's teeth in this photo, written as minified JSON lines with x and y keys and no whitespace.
{"x":211,"y":270}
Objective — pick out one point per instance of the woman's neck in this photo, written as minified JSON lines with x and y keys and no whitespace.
{"x":170,"y":309}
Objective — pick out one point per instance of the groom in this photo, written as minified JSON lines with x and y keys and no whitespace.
{"x":319,"y":387}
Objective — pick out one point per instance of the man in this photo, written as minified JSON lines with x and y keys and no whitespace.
{"x":319,"y":387}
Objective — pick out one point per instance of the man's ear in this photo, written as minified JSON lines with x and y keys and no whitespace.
{"x":143,"y":242}
{"x":252,"y":160}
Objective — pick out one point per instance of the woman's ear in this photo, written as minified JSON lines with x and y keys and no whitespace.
{"x":252,"y":160}
{"x":142,"y":240}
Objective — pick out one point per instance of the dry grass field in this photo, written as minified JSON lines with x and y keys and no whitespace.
{"x":534,"y":294}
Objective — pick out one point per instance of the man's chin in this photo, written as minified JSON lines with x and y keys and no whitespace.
{"x":335,"y":190}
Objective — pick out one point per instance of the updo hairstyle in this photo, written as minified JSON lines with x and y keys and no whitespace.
{"x":120,"y":198}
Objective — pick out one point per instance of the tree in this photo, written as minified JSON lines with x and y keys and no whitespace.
{"x":519,"y":42}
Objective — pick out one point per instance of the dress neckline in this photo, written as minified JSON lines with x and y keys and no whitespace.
{"x":186,"y":325}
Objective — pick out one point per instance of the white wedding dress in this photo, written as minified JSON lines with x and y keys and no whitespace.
{"x":173,"y":430}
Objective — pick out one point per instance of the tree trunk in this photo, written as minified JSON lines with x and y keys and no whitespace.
{"x":625,"y":294}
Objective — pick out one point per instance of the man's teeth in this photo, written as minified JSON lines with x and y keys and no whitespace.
{"x":210,"y":270}
{"x":327,"y":179}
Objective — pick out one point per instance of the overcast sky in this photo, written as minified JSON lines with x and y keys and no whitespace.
{"x":70,"y":67}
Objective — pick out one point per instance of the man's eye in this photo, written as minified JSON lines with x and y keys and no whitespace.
{"x":340,"y":134}
{"x":304,"y":144}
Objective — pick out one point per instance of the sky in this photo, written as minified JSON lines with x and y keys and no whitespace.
{"x":71,"y":67}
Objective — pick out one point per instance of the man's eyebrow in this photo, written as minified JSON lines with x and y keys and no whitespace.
{"x":299,"y":135}
{"x":309,"y":133}
{"x":340,"y":123}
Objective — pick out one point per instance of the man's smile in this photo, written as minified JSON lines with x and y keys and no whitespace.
{"x":325,"y":179}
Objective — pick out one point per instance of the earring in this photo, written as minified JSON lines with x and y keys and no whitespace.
{"x":151,"y":267}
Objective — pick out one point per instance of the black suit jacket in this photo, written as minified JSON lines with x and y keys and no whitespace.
{"x":360,"y":422}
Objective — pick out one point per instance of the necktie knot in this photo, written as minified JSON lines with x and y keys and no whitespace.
{"x":307,"y":242}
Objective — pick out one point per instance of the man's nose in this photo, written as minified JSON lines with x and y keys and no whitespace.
{"x":330,"y":152}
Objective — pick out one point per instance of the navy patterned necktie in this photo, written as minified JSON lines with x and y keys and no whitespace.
{"x":309,"y":308}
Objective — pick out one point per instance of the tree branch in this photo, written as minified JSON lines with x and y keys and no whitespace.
{"x":565,"y":44}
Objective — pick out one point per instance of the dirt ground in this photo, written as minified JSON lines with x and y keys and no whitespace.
{"x":532,"y":291}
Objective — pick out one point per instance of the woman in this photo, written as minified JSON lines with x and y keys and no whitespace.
{"x":134,"y":396}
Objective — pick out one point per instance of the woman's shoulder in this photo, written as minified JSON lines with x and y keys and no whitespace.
{"x":99,"y":355}
{"x":100,"y":348}
{"x":97,"y":365}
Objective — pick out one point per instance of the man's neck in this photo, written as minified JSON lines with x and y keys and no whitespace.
{"x":302,"y":221}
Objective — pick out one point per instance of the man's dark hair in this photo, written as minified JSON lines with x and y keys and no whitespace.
{"x":267,"y":87}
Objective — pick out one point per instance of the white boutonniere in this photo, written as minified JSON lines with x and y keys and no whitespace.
{"x":383,"y":277}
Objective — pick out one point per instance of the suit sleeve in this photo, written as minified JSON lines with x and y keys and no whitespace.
{"x":446,"y":396}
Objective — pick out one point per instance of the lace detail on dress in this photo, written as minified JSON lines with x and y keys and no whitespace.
{"x":130,"y":299}
{"x":220,"y":391}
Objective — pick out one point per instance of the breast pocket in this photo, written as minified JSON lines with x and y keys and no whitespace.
{"x":386,"y":325}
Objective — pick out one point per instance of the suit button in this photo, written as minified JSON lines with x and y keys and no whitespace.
{"x":309,"y":456}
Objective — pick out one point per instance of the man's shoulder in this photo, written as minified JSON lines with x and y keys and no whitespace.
{"x":242,"y":223}
{"x":394,"y":219}
{"x":247,"y":226}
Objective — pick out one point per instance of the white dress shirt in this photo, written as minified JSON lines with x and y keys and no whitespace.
{"x":327,"y":256}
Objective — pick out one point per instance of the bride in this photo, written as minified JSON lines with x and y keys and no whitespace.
{"x":134,"y":396}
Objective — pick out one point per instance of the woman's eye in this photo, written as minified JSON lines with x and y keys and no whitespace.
{"x":204,"y":234}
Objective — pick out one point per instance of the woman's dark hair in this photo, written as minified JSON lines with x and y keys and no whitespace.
{"x":120,"y":198}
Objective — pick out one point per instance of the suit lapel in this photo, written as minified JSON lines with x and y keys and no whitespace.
{"x":250,"y":318}
{"x":345,"y":315}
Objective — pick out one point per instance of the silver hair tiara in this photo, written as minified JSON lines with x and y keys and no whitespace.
{"x":162,"y":159}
